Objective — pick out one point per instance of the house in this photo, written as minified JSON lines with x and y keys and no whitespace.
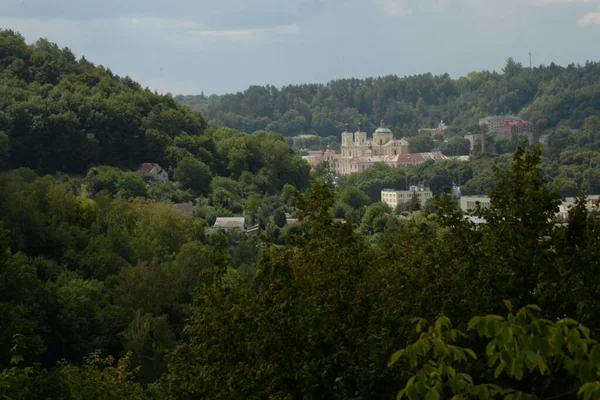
{"x":230,"y":223}
{"x":394,"y":198}
{"x":468,"y":203}
{"x":184,"y":208}
{"x":591,"y":205}
{"x":441,"y":128}
{"x":155,"y":170}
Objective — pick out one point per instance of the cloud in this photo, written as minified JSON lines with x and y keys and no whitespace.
{"x":592,"y":18}
{"x":543,"y":3}
{"x":197,"y":30}
{"x":252,"y":33}
{"x":164,"y":23}
{"x":394,"y":8}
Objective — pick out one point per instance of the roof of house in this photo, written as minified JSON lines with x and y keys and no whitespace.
{"x":230,"y":222}
{"x":185,"y":208}
{"x":147,"y":167}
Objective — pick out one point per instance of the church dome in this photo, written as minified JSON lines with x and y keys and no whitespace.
{"x":382,"y":129}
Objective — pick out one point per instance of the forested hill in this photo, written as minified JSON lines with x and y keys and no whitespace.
{"x":548,"y":95}
{"x":61,"y":114}
{"x":58,"y":113}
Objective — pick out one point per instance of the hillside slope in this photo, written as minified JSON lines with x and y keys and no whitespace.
{"x":549,"y":95}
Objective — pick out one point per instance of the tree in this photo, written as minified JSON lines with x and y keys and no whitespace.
{"x":4,"y":148}
{"x":375,"y":219}
{"x":353,"y":197}
{"x":279,"y":218}
{"x":520,"y":347}
{"x":193,"y":174}
{"x":420,"y":144}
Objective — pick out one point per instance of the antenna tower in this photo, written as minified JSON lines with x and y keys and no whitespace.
{"x":530,"y":65}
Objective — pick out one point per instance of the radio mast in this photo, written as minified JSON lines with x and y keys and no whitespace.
{"x":530,"y":66}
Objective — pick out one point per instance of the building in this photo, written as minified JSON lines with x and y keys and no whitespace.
{"x":509,"y":125}
{"x":394,"y":198}
{"x":441,"y":128}
{"x":469,"y":203}
{"x":155,"y":171}
{"x":230,"y":223}
{"x":359,"y":152}
{"x":315,"y":158}
{"x":518,"y":127}
{"x":592,"y":204}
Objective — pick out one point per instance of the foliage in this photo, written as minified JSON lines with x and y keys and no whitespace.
{"x":522,"y":347}
{"x":549,"y":95}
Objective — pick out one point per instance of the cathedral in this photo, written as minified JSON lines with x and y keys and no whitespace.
{"x":382,"y":144}
{"x":360,"y":153}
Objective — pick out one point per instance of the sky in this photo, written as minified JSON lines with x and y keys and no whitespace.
{"x":223,"y":46}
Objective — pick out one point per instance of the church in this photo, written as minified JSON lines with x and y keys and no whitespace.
{"x":359,"y":152}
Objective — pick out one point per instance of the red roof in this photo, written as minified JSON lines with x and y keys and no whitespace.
{"x":147,"y":167}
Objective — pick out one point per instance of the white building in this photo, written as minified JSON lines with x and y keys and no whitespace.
{"x":394,"y":198}
{"x":469,"y":203}
{"x":155,"y":170}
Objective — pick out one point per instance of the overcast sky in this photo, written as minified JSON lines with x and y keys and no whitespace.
{"x":220,"y":46}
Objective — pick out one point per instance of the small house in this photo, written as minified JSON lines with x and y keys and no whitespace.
{"x":155,"y":171}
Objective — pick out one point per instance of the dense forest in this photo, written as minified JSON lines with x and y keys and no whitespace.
{"x":564,"y":103}
{"x":551,"y":96}
{"x":108,"y":292}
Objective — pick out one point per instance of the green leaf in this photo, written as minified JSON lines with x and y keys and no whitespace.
{"x":432,"y":395}
{"x":532,"y":359}
{"x":412,"y":393}
{"x":508,"y":305}
{"x":493,"y":359}
{"x":471,"y":353}
{"x":585,"y":331}
{"x":473,"y":323}
{"x":507,"y":334}
{"x":394,"y":358}
{"x":499,"y":369}
{"x":491,"y":346}
{"x":17,"y":359}
{"x":466,"y":377}
{"x":451,"y":371}
{"x":442,"y":322}
{"x":401,"y":394}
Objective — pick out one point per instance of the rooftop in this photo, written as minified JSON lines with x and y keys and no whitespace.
{"x":147,"y":167}
{"x":230,"y":222}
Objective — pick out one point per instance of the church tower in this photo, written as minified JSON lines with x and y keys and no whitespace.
{"x":347,"y":141}
{"x":360,"y":136}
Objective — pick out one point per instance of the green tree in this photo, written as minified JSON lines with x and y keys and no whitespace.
{"x":4,"y":148}
{"x":279,"y":218}
{"x":375,"y":219}
{"x":542,"y":356}
{"x":193,"y":174}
